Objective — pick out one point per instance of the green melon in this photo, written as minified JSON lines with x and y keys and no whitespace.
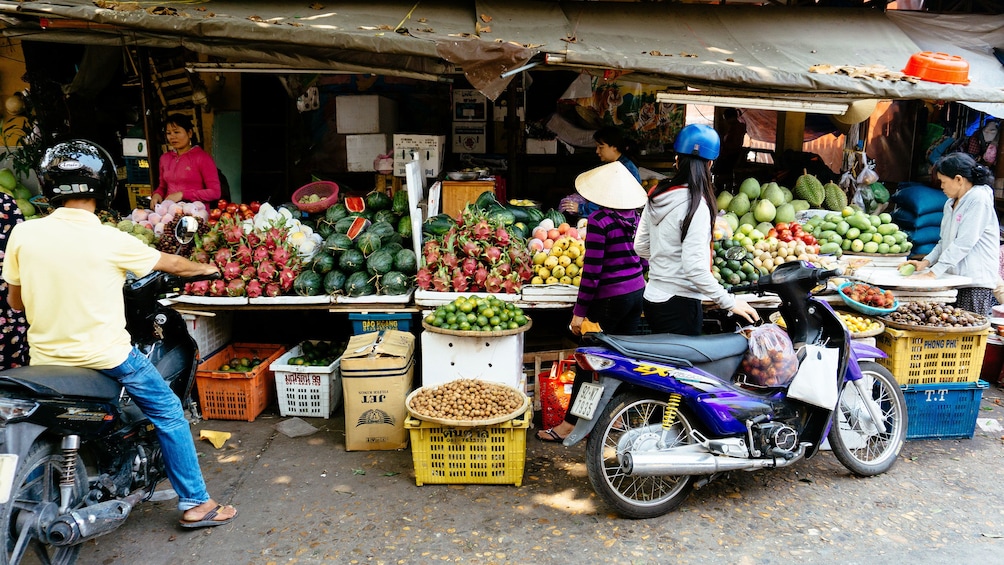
{"x":405,"y":262}
{"x":368,"y":243}
{"x":380,"y":262}
{"x":334,"y":282}
{"x":352,"y":260}
{"x":395,"y":283}
{"x":358,"y":284}
{"x":308,"y":283}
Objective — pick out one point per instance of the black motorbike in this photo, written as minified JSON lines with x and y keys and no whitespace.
{"x":77,"y":453}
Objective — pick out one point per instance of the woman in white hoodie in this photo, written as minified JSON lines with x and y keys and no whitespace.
{"x":675,"y":236}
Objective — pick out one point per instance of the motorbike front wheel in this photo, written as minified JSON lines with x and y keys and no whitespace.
{"x":634,"y":422}
{"x":35,"y":493}
{"x":857,"y":442}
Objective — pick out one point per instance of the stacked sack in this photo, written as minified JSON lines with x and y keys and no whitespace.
{"x":918,"y":212}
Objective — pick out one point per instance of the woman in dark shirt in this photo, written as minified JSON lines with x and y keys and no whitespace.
{"x":612,"y":283}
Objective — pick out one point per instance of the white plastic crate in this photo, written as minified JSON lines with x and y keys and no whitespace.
{"x":211,"y":333}
{"x":305,"y":390}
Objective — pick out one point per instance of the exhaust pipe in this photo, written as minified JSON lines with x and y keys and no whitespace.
{"x":90,"y":522}
{"x":660,"y":463}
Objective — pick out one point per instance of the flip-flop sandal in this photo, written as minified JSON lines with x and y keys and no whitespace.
{"x":552,"y":436}
{"x":207,"y":521}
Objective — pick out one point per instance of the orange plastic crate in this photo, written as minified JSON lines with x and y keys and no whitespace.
{"x":227,"y":395}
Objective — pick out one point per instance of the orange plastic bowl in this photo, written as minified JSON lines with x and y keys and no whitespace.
{"x":938,"y":67}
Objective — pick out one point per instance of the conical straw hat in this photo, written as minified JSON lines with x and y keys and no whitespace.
{"x":611,"y":186}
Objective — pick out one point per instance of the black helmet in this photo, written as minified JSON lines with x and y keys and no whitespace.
{"x":77,"y":169}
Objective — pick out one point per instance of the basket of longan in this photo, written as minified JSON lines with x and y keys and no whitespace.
{"x":467,"y":402}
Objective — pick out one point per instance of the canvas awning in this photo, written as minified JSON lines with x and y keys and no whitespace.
{"x":760,"y":51}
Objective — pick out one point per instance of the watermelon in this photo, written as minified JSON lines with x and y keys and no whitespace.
{"x":404,"y":227}
{"x":502,"y":216}
{"x":308,"y":283}
{"x":438,"y":225}
{"x":323,"y":263}
{"x":368,"y":243}
{"x":359,"y":225}
{"x":377,"y":201}
{"x":324,"y":227}
{"x":395,"y":283}
{"x":352,"y":260}
{"x":405,"y":262}
{"x":355,"y":204}
{"x":534,"y":216}
{"x":400,"y":203}
{"x":335,"y":213}
{"x":334,"y":282}
{"x":358,"y":284}
{"x":380,"y":262}
{"x":383,"y":230}
{"x":343,"y":225}
{"x":556,"y":216}
{"x":338,"y":242}
{"x":486,"y":200}
{"x":385,"y":216}
{"x":393,"y":247}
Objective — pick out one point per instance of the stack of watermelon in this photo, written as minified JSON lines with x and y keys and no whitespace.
{"x":367,"y":249}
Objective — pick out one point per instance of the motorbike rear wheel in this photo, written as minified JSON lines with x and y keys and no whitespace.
{"x":36,"y":489}
{"x":633,"y":421}
{"x":855,"y":440}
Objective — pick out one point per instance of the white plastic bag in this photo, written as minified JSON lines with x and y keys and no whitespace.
{"x":815,"y":382}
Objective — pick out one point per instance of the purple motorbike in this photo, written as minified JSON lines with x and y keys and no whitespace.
{"x":665,"y":413}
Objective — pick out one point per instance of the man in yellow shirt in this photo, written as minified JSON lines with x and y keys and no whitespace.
{"x":66,"y":271}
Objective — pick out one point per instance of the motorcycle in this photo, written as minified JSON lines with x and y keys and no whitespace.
{"x":668,"y":413}
{"x":77,"y":454}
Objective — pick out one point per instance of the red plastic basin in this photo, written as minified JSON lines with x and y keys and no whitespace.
{"x":938,"y":67}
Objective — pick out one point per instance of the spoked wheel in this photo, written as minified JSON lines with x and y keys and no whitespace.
{"x":34,"y":500}
{"x":862,"y":445}
{"x":633,"y":422}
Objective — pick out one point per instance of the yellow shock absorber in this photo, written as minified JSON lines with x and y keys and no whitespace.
{"x":669,"y":414}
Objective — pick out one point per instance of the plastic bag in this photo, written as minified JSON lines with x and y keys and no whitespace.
{"x":868,"y":174}
{"x":770,"y":360}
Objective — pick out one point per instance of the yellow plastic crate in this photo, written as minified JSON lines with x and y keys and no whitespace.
{"x":488,"y":455}
{"x":924,"y":357}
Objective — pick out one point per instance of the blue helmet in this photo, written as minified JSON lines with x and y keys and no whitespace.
{"x":698,"y":140}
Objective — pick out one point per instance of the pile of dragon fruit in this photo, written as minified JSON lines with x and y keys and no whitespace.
{"x":254,"y":262}
{"x":478,"y":254}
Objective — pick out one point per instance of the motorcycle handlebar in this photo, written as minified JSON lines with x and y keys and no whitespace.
{"x":749,"y":287}
{"x":822,"y":276}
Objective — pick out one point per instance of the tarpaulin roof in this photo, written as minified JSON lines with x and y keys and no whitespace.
{"x":730,"y":49}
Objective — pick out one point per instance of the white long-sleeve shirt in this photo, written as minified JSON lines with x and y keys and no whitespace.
{"x":969,"y":243}
{"x":678,"y":266}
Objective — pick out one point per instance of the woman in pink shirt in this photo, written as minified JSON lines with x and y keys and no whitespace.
{"x":187,"y":173}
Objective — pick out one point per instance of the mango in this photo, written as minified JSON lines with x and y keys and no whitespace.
{"x":907,"y":269}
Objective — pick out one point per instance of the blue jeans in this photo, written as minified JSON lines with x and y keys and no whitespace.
{"x":158,"y":402}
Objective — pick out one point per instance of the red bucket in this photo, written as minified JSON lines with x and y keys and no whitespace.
{"x":993,"y":360}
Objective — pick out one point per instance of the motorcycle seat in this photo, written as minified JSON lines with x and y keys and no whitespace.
{"x":672,"y":348}
{"x":53,"y":381}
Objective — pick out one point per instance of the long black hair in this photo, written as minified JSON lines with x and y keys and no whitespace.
{"x":965,"y":165}
{"x":695,"y":173}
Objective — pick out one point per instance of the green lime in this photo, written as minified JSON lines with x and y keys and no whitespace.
{"x":464,"y":326}
{"x":512,"y":325}
{"x":450,"y":307}
{"x":430,"y":319}
{"x":488,"y":312}
{"x":520,"y":319}
{"x":482,"y":321}
{"x":439,"y":321}
{"x":451,"y":319}
{"x":472,"y":318}
{"x":495,"y":321}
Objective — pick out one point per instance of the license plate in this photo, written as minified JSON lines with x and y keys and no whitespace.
{"x":8,"y":468}
{"x":587,"y":400}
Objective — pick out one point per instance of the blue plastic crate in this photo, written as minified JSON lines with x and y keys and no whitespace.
{"x":367,"y":322}
{"x":137,"y":170}
{"x":943,"y":411}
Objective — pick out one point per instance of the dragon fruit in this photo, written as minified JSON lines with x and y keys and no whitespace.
{"x":222,"y":257}
{"x":272,"y":289}
{"x":211,"y":241}
{"x":481,"y":230}
{"x":281,"y":256}
{"x":260,"y":254}
{"x":502,"y":236}
{"x":286,"y":278}
{"x":470,"y":248}
{"x":468,"y":266}
{"x":424,"y":278}
{"x":266,"y":271}
{"x":233,"y":233}
{"x":236,"y":287}
{"x":480,"y":276}
{"x":231,"y":271}
{"x":510,"y":285}
{"x":253,"y":288}
{"x":199,"y":288}
{"x":494,"y":282}
{"x":459,"y":281}
{"x":441,"y":280}
{"x":217,"y":288}
{"x":200,"y":256}
{"x":493,"y":254}
{"x":243,"y":255}
{"x":253,"y":239}
{"x":249,"y":272}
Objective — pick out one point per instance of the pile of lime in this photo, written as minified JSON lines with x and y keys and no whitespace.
{"x":241,"y":364}
{"x":478,"y":314}
{"x":317,"y":353}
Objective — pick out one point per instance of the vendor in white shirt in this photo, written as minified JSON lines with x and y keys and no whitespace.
{"x":969,"y":242}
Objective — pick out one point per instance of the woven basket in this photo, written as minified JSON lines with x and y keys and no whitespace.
{"x":327,"y":190}
{"x":467,"y":423}
{"x":463,"y":333}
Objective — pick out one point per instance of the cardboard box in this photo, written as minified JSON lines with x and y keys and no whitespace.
{"x":137,"y":191}
{"x":362,"y":149}
{"x":469,"y":105}
{"x":430,"y":150}
{"x":377,"y":373}
{"x":470,"y":137}
{"x":365,"y":113}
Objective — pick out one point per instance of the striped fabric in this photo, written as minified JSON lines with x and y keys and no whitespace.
{"x":610,"y":267}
